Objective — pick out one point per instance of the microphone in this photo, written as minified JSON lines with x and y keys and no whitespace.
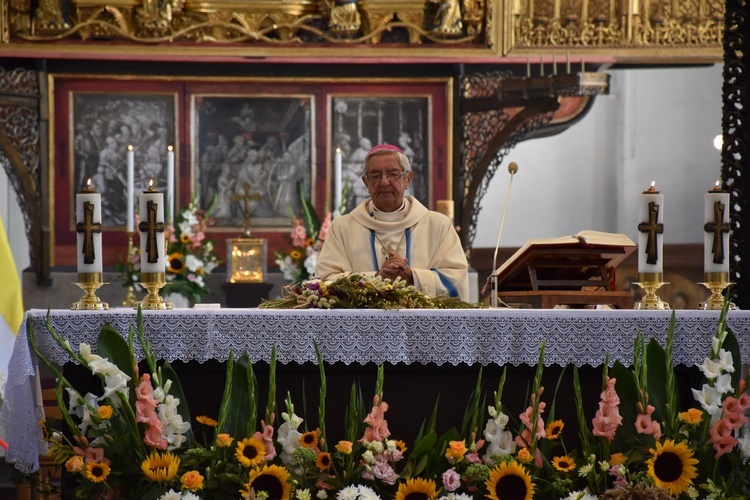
{"x":512,"y":169}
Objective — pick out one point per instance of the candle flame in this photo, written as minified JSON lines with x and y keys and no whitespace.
{"x":169,"y":148}
{"x":338,"y":151}
{"x":653,"y":184}
{"x":151,"y":184}
{"x":88,"y":183}
{"x":130,"y":147}
{"x":716,"y":187}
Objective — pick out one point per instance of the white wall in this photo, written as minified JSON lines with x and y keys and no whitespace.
{"x":656,"y":124}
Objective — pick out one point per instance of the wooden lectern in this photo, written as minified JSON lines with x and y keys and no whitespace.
{"x":573,"y":271}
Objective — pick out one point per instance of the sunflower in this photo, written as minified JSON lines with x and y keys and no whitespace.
{"x":564,"y":464}
{"x":250,"y":452}
{"x":161,"y":467}
{"x":554,"y":429}
{"x":270,"y":478}
{"x":295,"y":254}
{"x":185,"y":238}
{"x":509,"y":481}
{"x":401,"y":446}
{"x":323,"y":461}
{"x":309,"y":439}
{"x":672,"y":466}
{"x":175,"y":263}
{"x":309,"y":242}
{"x":96,"y":472}
{"x":416,"y":489}
{"x":203,"y":419}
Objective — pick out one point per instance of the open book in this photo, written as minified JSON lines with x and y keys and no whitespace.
{"x":564,"y":263}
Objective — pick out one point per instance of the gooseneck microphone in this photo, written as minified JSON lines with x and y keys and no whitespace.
{"x":512,"y":169}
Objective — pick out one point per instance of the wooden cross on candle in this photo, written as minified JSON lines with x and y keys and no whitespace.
{"x":718,"y":227}
{"x":246,"y":198}
{"x":652,"y":227}
{"x":151,"y":227}
{"x":88,"y":227}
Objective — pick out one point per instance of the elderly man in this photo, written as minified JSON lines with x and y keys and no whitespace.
{"x":393,"y":236}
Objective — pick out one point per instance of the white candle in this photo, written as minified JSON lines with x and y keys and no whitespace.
{"x":716,"y":217}
{"x":153,"y":261}
{"x":337,"y":181}
{"x":131,"y":191}
{"x":170,"y":186}
{"x":650,"y":230}
{"x":89,"y":226}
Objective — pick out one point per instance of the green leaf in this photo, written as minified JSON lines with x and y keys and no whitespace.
{"x":175,"y":390}
{"x":627,"y":390}
{"x":237,"y":412}
{"x":731,"y":345}
{"x":656,"y":377}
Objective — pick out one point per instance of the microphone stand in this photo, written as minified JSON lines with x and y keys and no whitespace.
{"x":494,"y":300}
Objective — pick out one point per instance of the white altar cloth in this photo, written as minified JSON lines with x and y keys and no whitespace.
{"x":477,"y":336}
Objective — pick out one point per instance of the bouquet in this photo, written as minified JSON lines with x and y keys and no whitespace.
{"x":190,"y":256}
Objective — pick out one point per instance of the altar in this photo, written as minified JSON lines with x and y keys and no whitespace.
{"x":427,"y":353}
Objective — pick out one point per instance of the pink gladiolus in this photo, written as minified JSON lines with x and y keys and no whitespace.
{"x":721,"y":437}
{"x":378,"y":426}
{"x":529,"y":414}
{"x":145,"y":412}
{"x":267,"y":439}
{"x":644,"y":424}
{"x":734,"y":412}
{"x":154,"y":438}
{"x":323,"y":231}
{"x":299,"y":234}
{"x":608,"y":418}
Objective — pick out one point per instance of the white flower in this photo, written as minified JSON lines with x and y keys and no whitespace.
{"x":186,"y":227}
{"x":193,"y":263}
{"x":368,"y":457}
{"x":173,"y":427}
{"x":114,"y":380}
{"x":723,"y":383}
{"x":744,"y":446}
{"x":377,"y":447}
{"x":725,"y":360}
{"x":311,"y":261}
{"x":322,"y":494}
{"x":710,"y":400}
{"x":348,"y":493}
{"x":303,"y":494}
{"x":171,"y":495}
{"x":585,"y":469}
{"x":711,"y":368}
{"x":209,"y":266}
{"x":189,"y":495}
{"x":604,"y":466}
{"x":580,"y":495}
{"x":456,"y":496}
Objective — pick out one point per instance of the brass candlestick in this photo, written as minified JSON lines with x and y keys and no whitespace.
{"x":650,"y":282}
{"x":130,"y":299}
{"x":153,"y":282}
{"x":716,"y":282}
{"x":89,"y":283}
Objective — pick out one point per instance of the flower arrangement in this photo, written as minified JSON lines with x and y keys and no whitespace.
{"x":137,"y":440}
{"x":307,"y":237}
{"x":356,"y":291}
{"x":190,"y":256}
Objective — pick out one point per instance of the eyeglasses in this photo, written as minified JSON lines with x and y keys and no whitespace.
{"x":377,"y":177}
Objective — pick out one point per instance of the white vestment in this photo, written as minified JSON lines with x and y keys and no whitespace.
{"x":358,"y":243}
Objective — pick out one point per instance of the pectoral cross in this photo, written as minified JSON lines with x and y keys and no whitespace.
{"x":151,"y":227}
{"x":246,"y":198}
{"x":88,"y":227}
{"x":718,"y":227}
{"x":652,"y":227}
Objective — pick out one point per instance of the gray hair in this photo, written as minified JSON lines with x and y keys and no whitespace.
{"x":403,"y":161}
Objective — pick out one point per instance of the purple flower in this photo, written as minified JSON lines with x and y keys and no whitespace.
{"x":451,"y":480}
{"x":384,"y":472}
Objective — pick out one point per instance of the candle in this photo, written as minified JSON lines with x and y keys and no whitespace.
{"x":446,"y":207}
{"x":716,"y":231}
{"x":170,"y":186}
{"x":89,"y":230}
{"x":130,"y":226}
{"x":337,"y":181}
{"x":151,"y":205}
{"x":650,"y":231}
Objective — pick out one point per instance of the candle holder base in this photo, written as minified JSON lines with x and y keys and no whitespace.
{"x":650,"y":282}
{"x":153,"y":282}
{"x":89,"y":283}
{"x":717,"y":283}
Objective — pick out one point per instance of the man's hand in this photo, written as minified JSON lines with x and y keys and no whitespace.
{"x":396,"y":266}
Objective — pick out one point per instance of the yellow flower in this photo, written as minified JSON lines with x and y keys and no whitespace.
{"x":202,"y":419}
{"x":617,"y":459}
{"x":175,"y":263}
{"x":509,"y":480}
{"x":416,"y":488}
{"x":270,"y":479}
{"x":309,"y":439}
{"x":295,"y":254}
{"x":74,"y":464}
{"x":323,"y":461}
{"x":554,"y":429}
{"x":456,"y":450}
{"x":524,"y":455}
{"x":96,"y":472}
{"x":691,"y":417}
{"x":224,"y":440}
{"x":344,"y":447}
{"x":105,"y":412}
{"x":160,"y":467}
{"x":564,"y":463}
{"x":401,"y":446}
{"x":309,"y":242}
{"x":185,"y":238}
{"x":672,"y":466}
{"x":192,"y":480}
{"x":250,"y":452}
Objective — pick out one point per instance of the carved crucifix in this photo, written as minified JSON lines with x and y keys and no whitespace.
{"x":88,"y":227}
{"x":718,"y":227}
{"x":151,"y":227}
{"x":246,"y":198}
{"x":652,"y":227}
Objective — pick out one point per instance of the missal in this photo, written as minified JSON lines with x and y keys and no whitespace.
{"x":565,"y":263}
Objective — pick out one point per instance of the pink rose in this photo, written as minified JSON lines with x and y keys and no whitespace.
{"x":451,"y":480}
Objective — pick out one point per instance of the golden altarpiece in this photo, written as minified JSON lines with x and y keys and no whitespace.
{"x":516,"y":68}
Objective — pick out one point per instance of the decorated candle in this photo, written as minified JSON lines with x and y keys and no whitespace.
{"x":170,"y":186}
{"x":650,"y":231}
{"x":337,"y":189}
{"x":131,"y":191}
{"x":89,"y":230}
{"x":151,"y":226}
{"x":716,"y":231}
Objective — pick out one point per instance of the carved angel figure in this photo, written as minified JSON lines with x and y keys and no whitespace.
{"x":344,"y":16}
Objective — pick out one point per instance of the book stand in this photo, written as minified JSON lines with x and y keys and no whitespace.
{"x":545,"y":276}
